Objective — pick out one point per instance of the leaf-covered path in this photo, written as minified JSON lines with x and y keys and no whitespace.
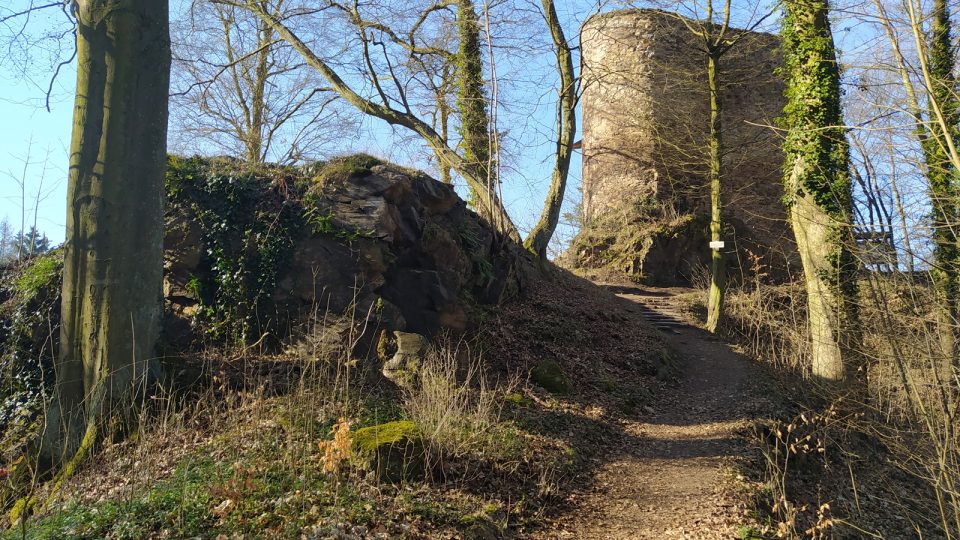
{"x":675,"y":483}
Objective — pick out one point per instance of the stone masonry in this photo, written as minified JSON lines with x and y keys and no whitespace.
{"x":645,"y":149}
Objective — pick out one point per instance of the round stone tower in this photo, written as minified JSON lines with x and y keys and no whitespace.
{"x":645,"y":150}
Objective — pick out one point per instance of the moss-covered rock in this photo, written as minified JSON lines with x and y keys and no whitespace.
{"x":550,"y":376}
{"x":516,"y":399}
{"x":394,"y":450}
{"x":479,"y":526}
{"x":345,"y":167}
{"x":39,"y":274}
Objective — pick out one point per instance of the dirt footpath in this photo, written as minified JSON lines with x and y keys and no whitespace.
{"x":675,"y":483}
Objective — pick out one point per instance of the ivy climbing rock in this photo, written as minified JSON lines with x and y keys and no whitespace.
{"x":351,"y":236}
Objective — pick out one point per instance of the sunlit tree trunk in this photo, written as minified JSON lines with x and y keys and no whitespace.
{"x":114,"y":236}
{"x":443,"y":111}
{"x":718,"y":270}
{"x":818,"y":185}
{"x":441,"y":120}
{"x":540,"y":236}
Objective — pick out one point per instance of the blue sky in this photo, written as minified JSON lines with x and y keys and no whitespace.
{"x":30,"y":130}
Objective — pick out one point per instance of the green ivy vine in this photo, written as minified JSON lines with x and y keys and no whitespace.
{"x":812,"y":116}
{"x":817,"y":155}
{"x":249,"y":230}
{"x":29,"y":336}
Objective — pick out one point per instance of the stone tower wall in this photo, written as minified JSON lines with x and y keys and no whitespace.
{"x":646,"y":126}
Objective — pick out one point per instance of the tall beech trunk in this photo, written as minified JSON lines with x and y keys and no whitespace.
{"x":818,"y":186}
{"x":540,"y":236}
{"x":114,"y":238}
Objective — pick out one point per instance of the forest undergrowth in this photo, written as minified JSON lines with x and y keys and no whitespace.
{"x":313,"y":442}
{"x":281,"y":445}
{"x":878,"y":460}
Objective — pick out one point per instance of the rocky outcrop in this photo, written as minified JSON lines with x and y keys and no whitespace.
{"x":279,"y":256}
{"x":645,"y":201}
{"x":404,"y":365}
{"x":373,"y":240}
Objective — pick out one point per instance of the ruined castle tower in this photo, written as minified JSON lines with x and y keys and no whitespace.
{"x":645,"y":149}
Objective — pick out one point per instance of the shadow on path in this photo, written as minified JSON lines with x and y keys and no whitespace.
{"x":665,"y":478}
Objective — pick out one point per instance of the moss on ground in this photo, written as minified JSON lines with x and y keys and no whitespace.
{"x":260,"y":483}
{"x":394,"y":450}
{"x":550,"y":376}
{"x":370,"y":439}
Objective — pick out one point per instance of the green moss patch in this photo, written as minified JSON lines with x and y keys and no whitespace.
{"x":550,"y":376}
{"x":346,"y":167}
{"x":41,"y":273}
{"x":393,"y":450}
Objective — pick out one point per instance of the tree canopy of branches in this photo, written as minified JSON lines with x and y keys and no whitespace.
{"x":244,"y":91}
{"x":390,"y":49}
{"x":392,"y":100}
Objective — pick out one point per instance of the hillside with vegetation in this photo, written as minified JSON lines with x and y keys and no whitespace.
{"x":291,"y":407}
{"x":326,"y":272}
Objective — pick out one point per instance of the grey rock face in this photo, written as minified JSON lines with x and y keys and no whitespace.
{"x":404,"y":365}
{"x":396,"y":246}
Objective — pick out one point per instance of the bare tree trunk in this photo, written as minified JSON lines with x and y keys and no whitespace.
{"x":443,"y":111}
{"x":540,"y":236}
{"x":718,"y":270}
{"x":258,"y":99}
{"x":114,"y":239}
{"x":902,"y":219}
